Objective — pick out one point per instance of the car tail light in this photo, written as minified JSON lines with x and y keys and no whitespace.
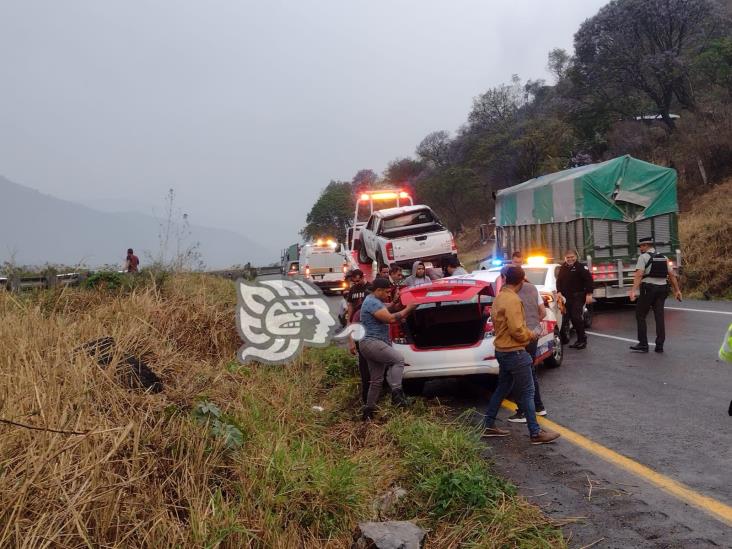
{"x":390,"y":251}
{"x":397,"y":333}
{"x":345,"y":268}
{"x":452,"y":244}
{"x":307,"y":270}
{"x":488,"y":329}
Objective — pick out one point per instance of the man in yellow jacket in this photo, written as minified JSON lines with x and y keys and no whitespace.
{"x":514,"y":363}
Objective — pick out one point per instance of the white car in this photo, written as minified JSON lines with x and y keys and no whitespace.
{"x":404,"y":235}
{"x":451,"y":332}
{"x":325,"y":263}
{"x":544,"y":276}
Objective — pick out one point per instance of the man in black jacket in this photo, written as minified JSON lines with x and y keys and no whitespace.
{"x":574,"y":286}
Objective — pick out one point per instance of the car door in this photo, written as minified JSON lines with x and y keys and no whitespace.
{"x":370,"y":236}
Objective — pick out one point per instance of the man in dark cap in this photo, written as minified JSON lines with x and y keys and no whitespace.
{"x":651,"y":280}
{"x":376,"y":346}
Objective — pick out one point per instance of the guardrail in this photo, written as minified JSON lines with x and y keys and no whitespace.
{"x":42,"y":282}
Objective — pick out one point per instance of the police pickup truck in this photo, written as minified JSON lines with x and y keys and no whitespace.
{"x":404,"y":235}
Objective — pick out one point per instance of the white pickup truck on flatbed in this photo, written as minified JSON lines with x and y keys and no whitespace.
{"x":404,"y":235}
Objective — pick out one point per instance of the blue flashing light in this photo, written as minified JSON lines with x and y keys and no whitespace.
{"x":497,"y":262}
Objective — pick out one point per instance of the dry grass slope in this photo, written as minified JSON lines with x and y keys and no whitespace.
{"x":145,"y":472}
{"x":706,"y":240}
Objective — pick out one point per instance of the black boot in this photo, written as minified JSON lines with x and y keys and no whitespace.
{"x":398,"y":399}
{"x":368,"y":413}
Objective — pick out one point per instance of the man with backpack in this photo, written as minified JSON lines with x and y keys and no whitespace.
{"x":650,"y":287}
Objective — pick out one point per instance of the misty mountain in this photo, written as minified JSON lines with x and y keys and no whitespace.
{"x":37,"y":228}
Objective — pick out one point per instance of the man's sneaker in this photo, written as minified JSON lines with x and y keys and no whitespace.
{"x":639,"y":348}
{"x":368,"y":413}
{"x":658,"y":349}
{"x":544,"y":437}
{"x":579,"y":345}
{"x":518,"y":417}
{"x":541,"y":412}
{"x":495,"y":432}
{"x":398,"y":398}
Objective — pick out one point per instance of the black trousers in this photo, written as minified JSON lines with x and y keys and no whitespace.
{"x":575,"y":303}
{"x":652,"y":296}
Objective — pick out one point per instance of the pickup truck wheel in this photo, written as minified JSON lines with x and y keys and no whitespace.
{"x":555,"y":360}
{"x":362,"y":256}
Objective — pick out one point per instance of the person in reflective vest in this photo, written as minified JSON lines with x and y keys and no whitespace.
{"x":652,"y":277}
{"x":725,"y":353}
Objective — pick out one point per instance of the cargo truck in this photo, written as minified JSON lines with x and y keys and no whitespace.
{"x":601,"y":210}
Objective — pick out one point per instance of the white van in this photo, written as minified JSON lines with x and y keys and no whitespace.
{"x":325,"y":263}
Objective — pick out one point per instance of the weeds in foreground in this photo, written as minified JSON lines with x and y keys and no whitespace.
{"x":226,"y":455}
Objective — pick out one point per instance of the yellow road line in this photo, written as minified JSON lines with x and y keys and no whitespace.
{"x":720,"y":510}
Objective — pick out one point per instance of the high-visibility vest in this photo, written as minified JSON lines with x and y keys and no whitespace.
{"x":725,"y":351}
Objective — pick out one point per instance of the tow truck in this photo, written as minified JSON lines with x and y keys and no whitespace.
{"x":368,"y":202}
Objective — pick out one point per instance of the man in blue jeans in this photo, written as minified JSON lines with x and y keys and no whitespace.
{"x":514,"y":363}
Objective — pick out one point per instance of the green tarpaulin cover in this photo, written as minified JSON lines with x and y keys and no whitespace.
{"x":621,"y":189}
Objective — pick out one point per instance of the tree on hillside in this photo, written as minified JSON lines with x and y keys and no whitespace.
{"x":558,"y":63}
{"x":403,"y":172}
{"x":332,"y":213}
{"x":434,"y":149}
{"x":714,"y":66}
{"x":498,"y":105}
{"x":364,"y":179}
{"x":642,"y":49}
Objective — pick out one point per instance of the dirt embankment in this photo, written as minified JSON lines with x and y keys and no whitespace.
{"x":706,"y":243}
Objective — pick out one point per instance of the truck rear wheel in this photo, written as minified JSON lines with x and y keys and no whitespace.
{"x":362,"y":256}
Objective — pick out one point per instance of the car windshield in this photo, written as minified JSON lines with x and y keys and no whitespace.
{"x":536,"y":275}
{"x":420,"y":217}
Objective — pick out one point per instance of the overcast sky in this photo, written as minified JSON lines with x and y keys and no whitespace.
{"x":248,"y":109}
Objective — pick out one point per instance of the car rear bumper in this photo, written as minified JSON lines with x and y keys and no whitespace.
{"x":464,"y":361}
{"x":330,"y":285}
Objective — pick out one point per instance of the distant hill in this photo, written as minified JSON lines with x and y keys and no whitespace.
{"x":39,"y":228}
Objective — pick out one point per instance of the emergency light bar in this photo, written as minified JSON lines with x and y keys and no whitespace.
{"x":384,"y":195}
{"x":497,"y":262}
{"x":536,"y":260}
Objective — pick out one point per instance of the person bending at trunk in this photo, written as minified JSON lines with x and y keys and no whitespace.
{"x":575,"y":287}
{"x":376,"y":346}
{"x":514,"y":363}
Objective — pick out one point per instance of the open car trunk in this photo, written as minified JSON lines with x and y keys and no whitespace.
{"x":446,"y":325}
{"x":450,"y":312}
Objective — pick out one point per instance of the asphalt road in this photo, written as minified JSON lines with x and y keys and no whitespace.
{"x":667,"y":412}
